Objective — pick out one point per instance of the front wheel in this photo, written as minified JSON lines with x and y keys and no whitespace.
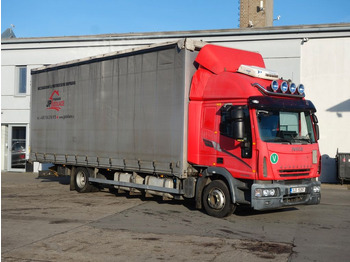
{"x":217,"y":199}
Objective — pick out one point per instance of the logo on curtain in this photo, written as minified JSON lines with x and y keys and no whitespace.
{"x":55,"y":102}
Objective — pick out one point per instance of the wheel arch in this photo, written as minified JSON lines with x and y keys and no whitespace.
{"x":223,"y":174}
{"x":213,"y":173}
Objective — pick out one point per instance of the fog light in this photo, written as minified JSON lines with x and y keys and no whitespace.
{"x":284,"y":86}
{"x":301,"y":89}
{"x":292,"y":88}
{"x":274,"y":86}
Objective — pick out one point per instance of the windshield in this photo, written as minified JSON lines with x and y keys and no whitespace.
{"x":285,"y":127}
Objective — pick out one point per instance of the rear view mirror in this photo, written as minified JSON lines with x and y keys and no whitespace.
{"x":232,"y":122}
{"x":235,"y":124}
{"x":237,"y":115}
{"x":317,"y":129}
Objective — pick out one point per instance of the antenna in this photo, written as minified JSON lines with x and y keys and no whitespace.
{"x":278,"y":18}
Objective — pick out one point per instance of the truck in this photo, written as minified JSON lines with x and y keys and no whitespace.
{"x":180,"y":120}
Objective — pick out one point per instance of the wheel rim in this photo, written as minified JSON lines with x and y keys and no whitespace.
{"x":81,"y":179}
{"x":216,"y":199}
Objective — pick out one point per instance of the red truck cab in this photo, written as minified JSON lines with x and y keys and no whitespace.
{"x":253,"y":132}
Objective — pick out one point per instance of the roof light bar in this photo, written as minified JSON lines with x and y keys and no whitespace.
{"x":282,"y":89}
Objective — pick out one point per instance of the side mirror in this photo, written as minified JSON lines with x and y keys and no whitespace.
{"x":237,"y":116}
{"x":237,"y":113}
{"x":317,"y":129}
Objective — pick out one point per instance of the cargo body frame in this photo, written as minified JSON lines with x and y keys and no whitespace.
{"x":122,"y":111}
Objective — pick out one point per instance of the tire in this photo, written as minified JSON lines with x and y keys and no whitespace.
{"x":217,"y":199}
{"x":81,"y":180}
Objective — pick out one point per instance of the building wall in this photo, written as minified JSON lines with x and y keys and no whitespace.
{"x":4,"y":151}
{"x":325,"y":67}
{"x":317,"y":57}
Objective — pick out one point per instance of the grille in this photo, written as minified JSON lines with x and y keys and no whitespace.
{"x":294,"y":172}
{"x":297,"y":198}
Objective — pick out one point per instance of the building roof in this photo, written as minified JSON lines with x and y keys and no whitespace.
{"x":340,"y":27}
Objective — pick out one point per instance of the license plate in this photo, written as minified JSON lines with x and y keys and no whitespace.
{"x":295,"y":190}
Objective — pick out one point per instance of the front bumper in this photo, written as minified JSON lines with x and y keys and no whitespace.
{"x":286,"y":195}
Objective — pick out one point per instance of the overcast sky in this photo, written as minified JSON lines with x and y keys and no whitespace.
{"x":40,"y":18}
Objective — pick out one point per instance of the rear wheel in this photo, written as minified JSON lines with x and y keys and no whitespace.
{"x":81,"y":179}
{"x":217,"y":199}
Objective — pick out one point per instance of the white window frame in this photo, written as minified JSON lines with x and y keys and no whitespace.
{"x":20,"y":81}
{"x":9,"y":147}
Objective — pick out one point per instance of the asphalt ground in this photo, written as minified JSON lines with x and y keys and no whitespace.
{"x":41,"y":220}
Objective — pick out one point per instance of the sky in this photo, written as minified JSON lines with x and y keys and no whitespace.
{"x":44,"y":18}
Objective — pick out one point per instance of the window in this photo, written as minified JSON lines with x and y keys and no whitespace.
{"x":226,"y":122}
{"x":21,"y":72}
{"x":288,"y":127}
{"x":18,"y":147}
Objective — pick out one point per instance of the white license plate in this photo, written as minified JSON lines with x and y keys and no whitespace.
{"x":295,"y":190}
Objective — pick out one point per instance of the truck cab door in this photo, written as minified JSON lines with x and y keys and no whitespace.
{"x":236,"y":141}
{"x":209,"y":134}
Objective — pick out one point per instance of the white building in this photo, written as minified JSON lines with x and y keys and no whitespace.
{"x":317,"y":56}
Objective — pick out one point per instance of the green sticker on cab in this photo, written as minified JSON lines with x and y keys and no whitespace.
{"x":274,"y":158}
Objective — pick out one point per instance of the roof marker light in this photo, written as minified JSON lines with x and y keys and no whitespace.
{"x":284,"y":86}
{"x":301,"y":89}
{"x":292,"y":88}
{"x":274,"y":86}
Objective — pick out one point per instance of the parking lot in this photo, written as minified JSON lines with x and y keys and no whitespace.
{"x":43,"y":221}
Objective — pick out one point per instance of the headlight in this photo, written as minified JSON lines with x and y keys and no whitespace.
{"x":317,"y":189}
{"x":265,"y":192}
{"x":269,"y":192}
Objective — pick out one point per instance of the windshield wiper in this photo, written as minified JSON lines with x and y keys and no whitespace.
{"x":280,"y":139}
{"x":307,"y":140}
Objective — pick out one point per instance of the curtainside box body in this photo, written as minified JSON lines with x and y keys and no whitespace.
{"x":126,"y":110}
